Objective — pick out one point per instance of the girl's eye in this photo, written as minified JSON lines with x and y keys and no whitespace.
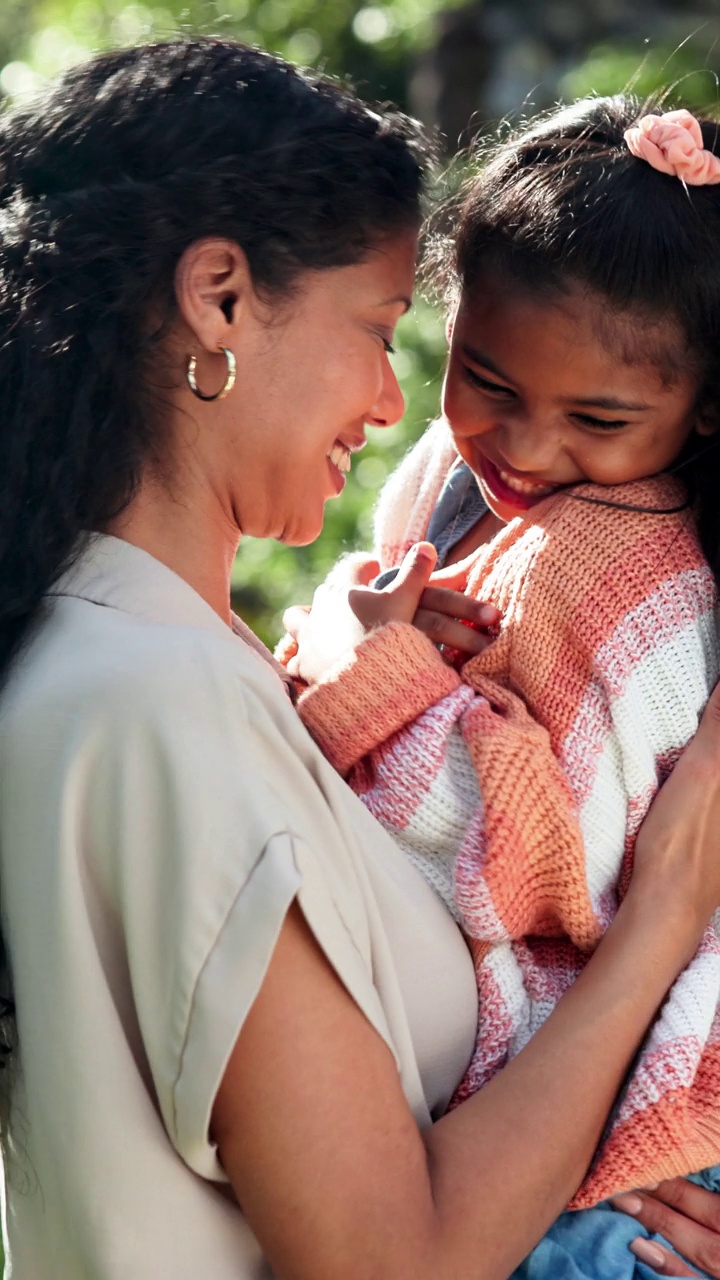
{"x":599,"y":424}
{"x":485,"y":384}
{"x":389,"y":348}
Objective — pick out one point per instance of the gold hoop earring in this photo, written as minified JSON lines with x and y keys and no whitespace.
{"x":227,"y":386}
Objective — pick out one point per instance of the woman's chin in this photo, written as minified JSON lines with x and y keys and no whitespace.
{"x":300,"y":533}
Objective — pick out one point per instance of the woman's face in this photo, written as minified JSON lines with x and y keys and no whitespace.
{"x":311,"y":375}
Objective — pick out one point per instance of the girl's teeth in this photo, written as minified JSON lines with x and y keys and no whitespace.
{"x":523,"y":486}
{"x":341,"y":457}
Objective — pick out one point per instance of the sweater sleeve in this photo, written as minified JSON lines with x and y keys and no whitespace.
{"x":393,"y":676}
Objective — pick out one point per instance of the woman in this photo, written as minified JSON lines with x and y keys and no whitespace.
{"x":233,"y":1032}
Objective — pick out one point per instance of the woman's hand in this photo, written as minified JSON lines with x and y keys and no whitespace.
{"x":346,"y":607}
{"x":677,"y":853}
{"x":688,"y":1216}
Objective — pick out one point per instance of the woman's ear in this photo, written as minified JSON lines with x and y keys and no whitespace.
{"x":212,"y":286}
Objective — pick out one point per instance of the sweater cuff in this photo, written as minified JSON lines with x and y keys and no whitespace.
{"x":394,"y":675}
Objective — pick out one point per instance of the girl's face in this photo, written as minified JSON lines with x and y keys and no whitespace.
{"x":539,"y":396}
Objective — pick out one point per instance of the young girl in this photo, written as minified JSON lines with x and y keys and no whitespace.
{"x":576,"y":473}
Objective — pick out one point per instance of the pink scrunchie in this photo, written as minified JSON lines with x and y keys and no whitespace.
{"x":673,"y":144}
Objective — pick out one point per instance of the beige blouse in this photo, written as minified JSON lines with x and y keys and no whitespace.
{"x":161,"y":805}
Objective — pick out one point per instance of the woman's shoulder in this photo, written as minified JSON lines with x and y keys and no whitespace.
{"x":110,"y":673}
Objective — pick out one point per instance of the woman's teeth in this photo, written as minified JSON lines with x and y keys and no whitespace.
{"x":340,"y":457}
{"x":524,"y":486}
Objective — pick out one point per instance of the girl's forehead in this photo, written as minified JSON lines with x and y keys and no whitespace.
{"x":502,"y":310}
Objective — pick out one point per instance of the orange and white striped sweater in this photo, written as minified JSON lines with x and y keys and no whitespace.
{"x":518,"y":785}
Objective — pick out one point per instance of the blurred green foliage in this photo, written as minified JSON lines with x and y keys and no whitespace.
{"x":681,"y":73}
{"x":370,"y":43}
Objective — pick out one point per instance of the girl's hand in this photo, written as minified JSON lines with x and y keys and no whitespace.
{"x":687,"y":1216}
{"x":462,"y":625}
{"x":332,"y":628}
{"x":346,"y":607}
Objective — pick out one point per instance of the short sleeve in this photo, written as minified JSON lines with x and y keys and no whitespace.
{"x":203,"y":827}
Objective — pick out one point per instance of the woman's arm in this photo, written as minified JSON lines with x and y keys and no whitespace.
{"x":317,"y":1139}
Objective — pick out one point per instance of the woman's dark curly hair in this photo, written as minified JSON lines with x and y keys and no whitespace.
{"x":565,"y":203}
{"x":104,"y":182}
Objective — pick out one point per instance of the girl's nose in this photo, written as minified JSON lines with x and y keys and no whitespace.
{"x":528,"y":444}
{"x":390,"y":405}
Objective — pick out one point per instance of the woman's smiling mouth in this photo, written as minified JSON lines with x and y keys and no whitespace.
{"x":340,"y":459}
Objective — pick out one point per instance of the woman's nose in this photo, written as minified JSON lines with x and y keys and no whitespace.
{"x":390,"y":405}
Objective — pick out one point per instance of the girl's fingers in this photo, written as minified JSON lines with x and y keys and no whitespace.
{"x":455,"y":605}
{"x":294,"y":617}
{"x":354,"y":570}
{"x":451,"y":633}
{"x":397,"y":602}
{"x":454,"y":576}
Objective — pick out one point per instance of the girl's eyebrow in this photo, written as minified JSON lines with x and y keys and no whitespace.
{"x":610,"y":402}
{"x":478,"y":357}
{"x":401,"y":297}
{"x":590,"y":402}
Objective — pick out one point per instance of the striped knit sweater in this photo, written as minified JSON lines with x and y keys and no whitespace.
{"x":518,"y":785}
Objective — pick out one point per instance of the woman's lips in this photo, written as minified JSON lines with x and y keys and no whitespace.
{"x":510,"y":489}
{"x":340,"y":457}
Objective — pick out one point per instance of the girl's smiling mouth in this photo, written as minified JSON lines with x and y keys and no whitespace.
{"x":510,"y":488}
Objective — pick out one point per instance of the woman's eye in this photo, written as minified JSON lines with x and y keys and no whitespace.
{"x":599,"y":424}
{"x":485,"y":384}
{"x":389,"y":348}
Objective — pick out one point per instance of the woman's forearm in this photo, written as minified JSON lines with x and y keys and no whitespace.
{"x":505,"y":1163}
{"x":329,"y":1165}
{"x":315,"y":1132}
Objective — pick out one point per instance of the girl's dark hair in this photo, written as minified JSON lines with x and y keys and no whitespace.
{"x":104,"y":181}
{"x":565,"y":203}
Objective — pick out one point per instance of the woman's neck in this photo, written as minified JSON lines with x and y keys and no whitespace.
{"x":190,"y":537}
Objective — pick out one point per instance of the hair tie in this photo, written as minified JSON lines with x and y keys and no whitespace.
{"x":673,"y":143}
